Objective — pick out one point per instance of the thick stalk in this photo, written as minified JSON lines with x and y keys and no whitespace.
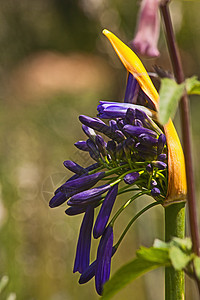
{"x":174,"y":227}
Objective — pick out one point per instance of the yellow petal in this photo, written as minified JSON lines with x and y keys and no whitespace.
{"x":177,"y":187}
{"x":133,"y":64}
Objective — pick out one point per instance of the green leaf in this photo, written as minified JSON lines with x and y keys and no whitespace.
{"x":179,"y":259}
{"x":193,"y":85}
{"x":157,"y":255}
{"x":197,"y":266}
{"x":170,"y":94}
{"x":126,"y":274}
{"x":184,"y":244}
{"x":160,"y":244}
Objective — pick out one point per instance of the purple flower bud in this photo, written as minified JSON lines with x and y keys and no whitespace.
{"x":89,"y":132}
{"x":93,"y":148}
{"x":93,"y":123}
{"x":88,"y":195}
{"x":90,"y":271}
{"x":130,"y":116}
{"x":74,"y":167}
{"x":136,"y":130}
{"x":153,"y":183}
{"x":147,"y":140}
{"x":104,"y":254}
{"x":119,"y":151}
{"x":146,"y":151}
{"x":132,"y":89}
{"x":159,"y":164}
{"x":57,"y":200}
{"x":111,"y":148}
{"x":149,"y":168}
{"x":146,"y":39}
{"x":131,"y":177}
{"x":104,"y":212}
{"x":82,"y":183}
{"x":162,"y":157}
{"x":81,"y":145}
{"x":79,"y":209}
{"x":101,"y":144}
{"x":138,"y":122}
{"x":119,"y":136}
{"x":155,"y":192}
{"x":113,"y":125}
{"x":84,"y":242}
{"x":161,"y":143}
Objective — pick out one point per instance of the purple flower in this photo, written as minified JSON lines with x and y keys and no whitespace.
{"x":82,"y":183}
{"x":104,"y":254}
{"x":132,"y":89}
{"x":146,"y":39}
{"x":74,"y":167}
{"x":162,"y":157}
{"x":109,"y":110}
{"x":147,"y":140}
{"x":159,"y":164}
{"x":81,"y":145}
{"x":89,"y":132}
{"x":137,"y":130}
{"x":82,"y":258}
{"x":101,"y":144}
{"x":131,"y":177}
{"x":130,"y":115}
{"x":105,"y":211}
{"x":88,"y":195}
{"x":149,"y":168}
{"x":161,"y":143}
{"x":155,"y":192}
{"x":57,"y":200}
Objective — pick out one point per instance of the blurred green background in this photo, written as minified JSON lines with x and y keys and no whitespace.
{"x":55,"y":65}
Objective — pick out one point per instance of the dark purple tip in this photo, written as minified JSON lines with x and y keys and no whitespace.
{"x":57,"y":200}
{"x":162,"y":157}
{"x":149,"y":168}
{"x":159,"y":164}
{"x":104,"y":254}
{"x":82,"y":258}
{"x":81,"y":145}
{"x":113,"y":125}
{"x":74,"y":167}
{"x":101,"y":144}
{"x":82,"y":183}
{"x":136,"y":130}
{"x":89,"y":132}
{"x":155,"y":192}
{"x":132,"y":89}
{"x":131,"y":177}
{"x":161,"y":143}
{"x":88,"y":195}
{"x":147,"y":140}
{"x":130,"y":116}
{"x":104,"y":212}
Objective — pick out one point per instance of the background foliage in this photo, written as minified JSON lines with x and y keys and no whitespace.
{"x":55,"y":65}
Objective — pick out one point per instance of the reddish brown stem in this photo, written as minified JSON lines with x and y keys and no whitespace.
{"x":185,"y":122}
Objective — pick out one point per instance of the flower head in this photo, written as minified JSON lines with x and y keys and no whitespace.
{"x":132,"y":151}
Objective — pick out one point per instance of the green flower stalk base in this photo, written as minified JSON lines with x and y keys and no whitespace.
{"x":174,"y":227}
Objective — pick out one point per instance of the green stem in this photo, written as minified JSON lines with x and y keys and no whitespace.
{"x":174,"y":227}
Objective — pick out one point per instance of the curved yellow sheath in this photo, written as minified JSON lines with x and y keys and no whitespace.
{"x":177,"y":187}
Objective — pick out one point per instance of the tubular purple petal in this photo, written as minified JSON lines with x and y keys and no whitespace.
{"x":104,"y":254}
{"x":82,"y":258}
{"x":105,"y":212}
{"x":147,"y":140}
{"x":132,"y":89}
{"x":82,"y":183}
{"x":81,"y":145}
{"x":74,"y":167}
{"x":131,"y":177}
{"x":57,"y":200}
{"x":161,"y":143}
{"x":155,"y":192}
{"x":136,"y":130}
{"x":89,"y":194}
{"x":159,"y":164}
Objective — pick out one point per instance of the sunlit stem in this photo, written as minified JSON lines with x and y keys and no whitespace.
{"x":174,"y":227}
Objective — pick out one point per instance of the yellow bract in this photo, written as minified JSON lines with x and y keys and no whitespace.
{"x":177,"y":187}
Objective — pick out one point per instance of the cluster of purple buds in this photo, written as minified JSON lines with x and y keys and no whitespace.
{"x":129,"y":149}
